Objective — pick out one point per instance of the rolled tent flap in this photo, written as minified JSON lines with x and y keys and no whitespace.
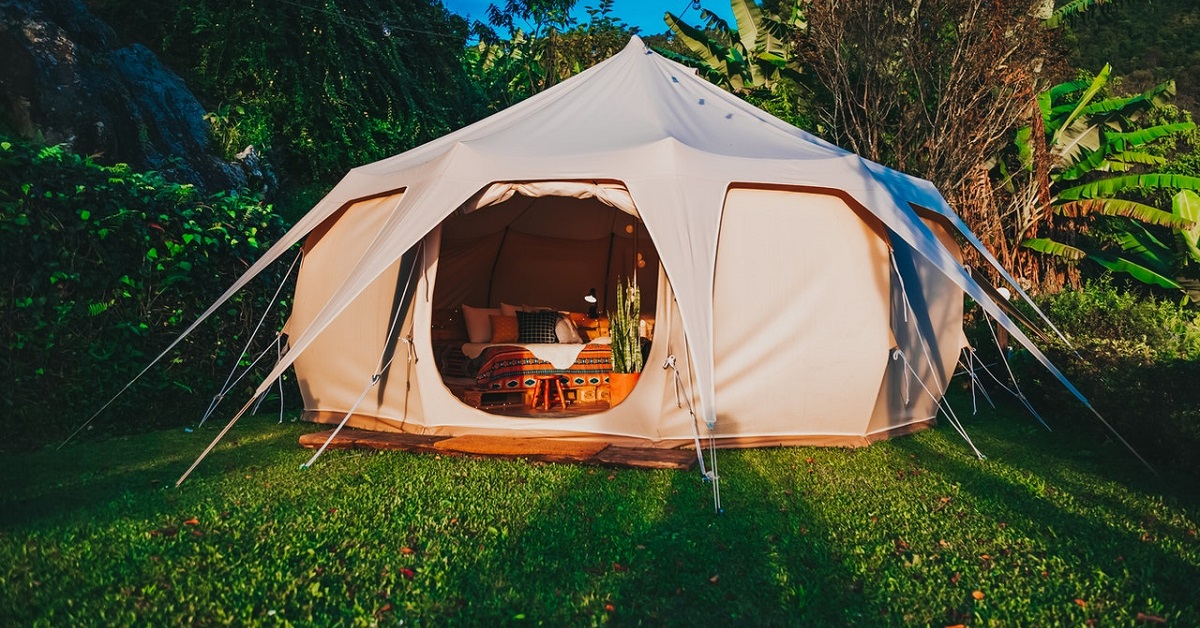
{"x":611,"y":194}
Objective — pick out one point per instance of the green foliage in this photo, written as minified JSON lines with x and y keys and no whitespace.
{"x":1101,"y":310}
{"x":623,"y":328}
{"x":1053,"y":529}
{"x":323,"y":86}
{"x":1099,"y":151}
{"x":787,"y":102}
{"x":755,"y":56}
{"x":540,"y":45}
{"x":1137,"y":359}
{"x":226,"y":129}
{"x":103,"y":267}
{"x":1148,"y":41}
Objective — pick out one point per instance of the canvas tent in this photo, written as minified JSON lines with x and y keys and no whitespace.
{"x":800,"y":293}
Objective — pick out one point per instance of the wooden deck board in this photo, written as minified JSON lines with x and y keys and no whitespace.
{"x":541,"y":449}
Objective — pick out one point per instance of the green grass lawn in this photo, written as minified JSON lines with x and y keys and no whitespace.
{"x":1054,"y":528}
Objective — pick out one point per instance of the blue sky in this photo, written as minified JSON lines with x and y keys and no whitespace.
{"x":646,"y":14}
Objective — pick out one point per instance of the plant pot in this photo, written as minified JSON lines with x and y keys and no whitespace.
{"x":619,"y":386}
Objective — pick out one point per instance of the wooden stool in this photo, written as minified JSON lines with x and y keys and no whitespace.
{"x":542,"y":388}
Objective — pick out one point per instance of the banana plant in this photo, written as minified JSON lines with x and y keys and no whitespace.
{"x":507,"y":70}
{"x":1053,"y":17}
{"x":1096,"y":161}
{"x":1140,"y":254}
{"x":753,"y":56}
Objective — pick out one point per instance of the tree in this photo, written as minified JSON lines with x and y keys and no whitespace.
{"x":524,"y":61}
{"x":591,"y":42}
{"x":325,"y":85}
{"x":931,"y":88}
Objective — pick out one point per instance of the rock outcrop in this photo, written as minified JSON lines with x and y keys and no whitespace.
{"x":65,"y":79}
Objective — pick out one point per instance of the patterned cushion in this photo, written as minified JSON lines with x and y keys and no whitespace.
{"x":537,"y":327}
{"x":504,"y":329}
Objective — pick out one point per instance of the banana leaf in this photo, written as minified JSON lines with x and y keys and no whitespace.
{"x":1069,"y":10}
{"x":748,"y":17}
{"x":710,"y":51}
{"x":772,"y":58}
{"x":1117,"y":113}
{"x":715,"y":22}
{"x":1145,"y":275}
{"x":1044,"y":100}
{"x":1186,"y":204}
{"x":1097,"y":84}
{"x":1106,"y":161}
{"x":1139,"y":243}
{"x":1111,"y":186}
{"x":1057,"y":249}
{"x":1075,"y":140}
{"x":1117,"y":107}
{"x":1122,"y":141}
{"x":711,"y":74}
{"x":1053,"y":94}
{"x":1090,"y":162}
{"x":1121,"y":207}
{"x":1160,"y":94}
{"x":1110,"y":261}
{"x":1131,"y":157}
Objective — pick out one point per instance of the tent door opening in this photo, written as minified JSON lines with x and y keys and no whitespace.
{"x":527,"y":274}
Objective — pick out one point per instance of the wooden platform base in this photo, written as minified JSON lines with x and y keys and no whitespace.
{"x":542,"y":449}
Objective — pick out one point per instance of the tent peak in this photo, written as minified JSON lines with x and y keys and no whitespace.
{"x":635,"y":42}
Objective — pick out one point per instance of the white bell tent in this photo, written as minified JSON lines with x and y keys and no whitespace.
{"x":799,"y":293}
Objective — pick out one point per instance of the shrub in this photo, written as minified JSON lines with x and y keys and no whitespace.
{"x":1136,"y":358}
{"x":102,"y":268}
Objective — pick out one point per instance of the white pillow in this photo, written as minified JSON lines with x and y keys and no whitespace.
{"x":479,"y":322}
{"x":566,"y":330}
{"x":510,"y":310}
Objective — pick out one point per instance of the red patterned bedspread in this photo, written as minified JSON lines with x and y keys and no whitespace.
{"x":513,"y":368}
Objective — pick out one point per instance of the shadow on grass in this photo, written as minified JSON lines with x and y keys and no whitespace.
{"x":809,"y":536}
{"x":1031,"y":514}
{"x":86,"y":475}
{"x":1083,"y":439}
{"x":646,"y":547}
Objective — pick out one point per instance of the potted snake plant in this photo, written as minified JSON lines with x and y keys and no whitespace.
{"x":626,"y":341}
